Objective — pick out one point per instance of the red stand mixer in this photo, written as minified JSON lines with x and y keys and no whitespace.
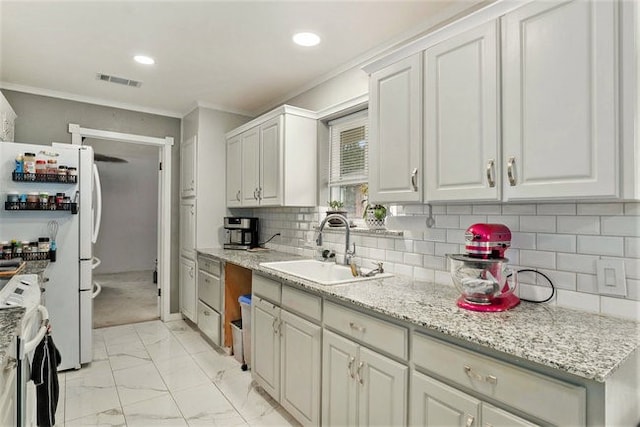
{"x":481,"y":274}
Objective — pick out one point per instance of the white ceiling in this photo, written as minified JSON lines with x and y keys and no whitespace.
{"x":232,"y":55}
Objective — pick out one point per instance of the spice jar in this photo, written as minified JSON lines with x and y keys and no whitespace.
{"x":18,"y":249}
{"x":59,"y":198}
{"x":18,"y":168}
{"x":13,"y":197}
{"x":29,"y":163}
{"x":25,"y":246}
{"x":7,"y":252}
{"x":52,"y":167}
{"x":44,"y":200}
{"x":43,"y":244}
{"x":41,"y":167}
{"x":72,"y":173}
{"x":62,"y":173}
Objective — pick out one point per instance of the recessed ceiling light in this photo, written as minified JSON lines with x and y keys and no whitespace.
{"x":306,"y":39}
{"x":146,"y":60}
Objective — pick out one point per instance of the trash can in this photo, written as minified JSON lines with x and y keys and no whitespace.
{"x":236,"y":334}
{"x":245,"y":309}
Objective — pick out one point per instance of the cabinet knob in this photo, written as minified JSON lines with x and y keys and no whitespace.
{"x":207,"y":313}
{"x":511,"y":164}
{"x":491,"y":379}
{"x":414,"y":179}
{"x":490,"y":173}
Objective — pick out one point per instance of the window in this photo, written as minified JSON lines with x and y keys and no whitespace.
{"x":349,"y":161}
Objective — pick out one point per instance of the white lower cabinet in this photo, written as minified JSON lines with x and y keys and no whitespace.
{"x":361,"y":386}
{"x":188,"y":295}
{"x":286,"y":359}
{"x":434,"y":403}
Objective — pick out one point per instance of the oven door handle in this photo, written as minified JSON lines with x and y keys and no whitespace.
{"x":29,"y":346}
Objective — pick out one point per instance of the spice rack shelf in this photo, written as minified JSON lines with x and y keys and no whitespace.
{"x":44,"y":177}
{"x":36,"y":206}
{"x":35,"y":256}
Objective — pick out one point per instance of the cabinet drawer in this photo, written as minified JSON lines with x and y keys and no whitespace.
{"x":383,"y":335}
{"x":209,"y":322}
{"x":266,"y":288}
{"x":555,"y":401}
{"x":209,"y":289}
{"x":302,"y":303}
{"x":210,"y":265}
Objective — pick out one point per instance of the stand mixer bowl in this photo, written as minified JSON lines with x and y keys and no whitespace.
{"x":482,"y":281}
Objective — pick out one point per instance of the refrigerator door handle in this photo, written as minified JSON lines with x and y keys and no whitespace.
{"x":98,"y":214}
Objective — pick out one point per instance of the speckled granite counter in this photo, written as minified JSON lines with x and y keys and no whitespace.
{"x":588,"y":345}
{"x":10,"y":319}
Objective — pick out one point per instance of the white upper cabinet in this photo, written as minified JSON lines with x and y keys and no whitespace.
{"x":395,"y":139}
{"x":278,"y":158}
{"x":188,"y":167}
{"x":560,"y":78}
{"x":462,"y":124}
{"x":234,"y":172}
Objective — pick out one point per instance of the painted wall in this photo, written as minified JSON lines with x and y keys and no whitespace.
{"x":128,"y":238}
{"x":43,"y":119}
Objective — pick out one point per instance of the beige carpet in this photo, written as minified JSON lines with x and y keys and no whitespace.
{"x":125,"y":298}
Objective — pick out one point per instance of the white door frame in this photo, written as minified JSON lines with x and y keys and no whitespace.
{"x":164,"y":200}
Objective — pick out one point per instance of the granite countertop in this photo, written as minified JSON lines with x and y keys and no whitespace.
{"x":10,"y":320}
{"x":588,"y":345}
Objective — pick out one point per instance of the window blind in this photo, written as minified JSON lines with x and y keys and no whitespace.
{"x":349,"y":150}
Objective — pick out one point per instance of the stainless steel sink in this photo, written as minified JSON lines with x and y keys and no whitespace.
{"x":324,"y":273}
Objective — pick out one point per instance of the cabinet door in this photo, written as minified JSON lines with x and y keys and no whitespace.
{"x":188,"y":288}
{"x":188,"y":167}
{"x":494,"y":417}
{"x":339,"y":390}
{"x":395,"y":139}
{"x":559,"y":100}
{"x":250,"y":167}
{"x":265,"y":346}
{"x":461,"y":117}
{"x":188,"y":228}
{"x":436,"y":404}
{"x":234,"y":172}
{"x":383,"y":388}
{"x":300,"y":367}
{"x":270,"y":189}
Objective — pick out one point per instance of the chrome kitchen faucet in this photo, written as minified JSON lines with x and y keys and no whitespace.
{"x":347,"y":239}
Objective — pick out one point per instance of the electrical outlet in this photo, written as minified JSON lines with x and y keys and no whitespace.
{"x":611,"y":277}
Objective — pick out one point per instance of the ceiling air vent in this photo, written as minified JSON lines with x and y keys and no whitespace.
{"x":118,"y":80}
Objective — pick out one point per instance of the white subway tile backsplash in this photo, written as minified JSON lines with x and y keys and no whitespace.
{"x":447,"y":221}
{"x":539,"y":224}
{"x":384,"y":243}
{"x":628,"y":309}
{"x":437,"y":209}
{"x":557,"y":209}
{"x":455,"y":236}
{"x":577,"y":263}
{"x":633,"y":289}
{"x":587,"y":283}
{"x":560,"y":279}
{"x":579,"y":225}
{"x":621,"y":225}
{"x":523,"y":240}
{"x":467,"y":220}
{"x":413,"y":209}
{"x":443,"y":278}
{"x":413,"y":259}
{"x":536,"y":293}
{"x":404,"y":245}
{"x":459,"y":209}
{"x":394,"y":256}
{"x":511,"y":221}
{"x":487,"y":209}
{"x":377,"y":254}
{"x":578,"y":300}
{"x":632,"y":268}
{"x":632,"y":247}
{"x":442,"y":249}
{"x":369,"y":241}
{"x":424,"y":247}
{"x":425,"y":274}
{"x":556,"y":242}
{"x":509,"y":209}
{"x":435,"y":235}
{"x":538,"y":259}
{"x":601,"y":245}
{"x":600,"y":209}
{"x":435,"y":262}
{"x":403,"y":270}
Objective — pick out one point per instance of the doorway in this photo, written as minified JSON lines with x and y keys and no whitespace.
{"x":138,"y":147}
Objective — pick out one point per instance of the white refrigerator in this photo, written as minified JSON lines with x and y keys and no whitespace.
{"x":68,"y":291}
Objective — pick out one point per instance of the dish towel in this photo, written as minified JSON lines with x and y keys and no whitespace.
{"x":44,"y":374}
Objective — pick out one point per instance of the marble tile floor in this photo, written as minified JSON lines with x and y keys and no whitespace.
{"x":155,"y":373}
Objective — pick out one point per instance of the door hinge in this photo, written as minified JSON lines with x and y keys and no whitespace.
{"x":160,"y":165}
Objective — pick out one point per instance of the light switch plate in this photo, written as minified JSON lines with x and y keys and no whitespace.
{"x":611,"y":277}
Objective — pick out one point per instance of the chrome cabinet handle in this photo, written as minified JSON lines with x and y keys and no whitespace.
{"x":491,"y":379}
{"x":255,"y":193}
{"x":358,"y":374}
{"x":470,"y":420}
{"x":511,"y":163}
{"x":191,"y":272}
{"x":490,"y":179}
{"x":356,"y":327}
{"x":259,"y":193}
{"x":238,"y":195}
{"x":414,"y":179}
{"x":273,"y":325}
{"x":350,"y":367}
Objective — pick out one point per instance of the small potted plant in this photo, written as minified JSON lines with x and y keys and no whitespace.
{"x":374,"y":214}
{"x":336,"y":207}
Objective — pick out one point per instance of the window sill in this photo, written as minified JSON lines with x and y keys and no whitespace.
{"x":362,"y":230}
